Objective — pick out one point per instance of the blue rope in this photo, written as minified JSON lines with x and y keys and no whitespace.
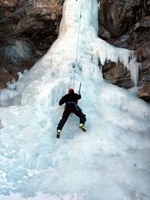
{"x":29,"y":4}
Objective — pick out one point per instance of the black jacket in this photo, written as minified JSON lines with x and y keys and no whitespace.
{"x":70,"y":98}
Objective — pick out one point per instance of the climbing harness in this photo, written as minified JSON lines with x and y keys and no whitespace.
{"x":17,"y":11}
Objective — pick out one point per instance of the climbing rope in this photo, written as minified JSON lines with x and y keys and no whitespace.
{"x":17,"y":11}
{"x":77,"y":47}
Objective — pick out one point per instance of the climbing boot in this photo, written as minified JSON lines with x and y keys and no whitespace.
{"x":58,"y":133}
{"x":82,"y":127}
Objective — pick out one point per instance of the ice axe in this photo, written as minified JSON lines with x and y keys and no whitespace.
{"x":79,"y":88}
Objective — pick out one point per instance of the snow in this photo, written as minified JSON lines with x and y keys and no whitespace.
{"x":111,"y":160}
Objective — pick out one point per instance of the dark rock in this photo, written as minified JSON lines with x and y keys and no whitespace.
{"x":17,"y":52}
{"x":144,"y":92}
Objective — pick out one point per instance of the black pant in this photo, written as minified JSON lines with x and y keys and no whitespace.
{"x":68,"y":110}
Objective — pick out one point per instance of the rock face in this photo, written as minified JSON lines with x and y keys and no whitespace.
{"x":121,"y":23}
{"x":127,"y":24}
{"x":32,"y":21}
{"x":117,"y":16}
{"x":35,"y":20}
{"x":144,"y":91}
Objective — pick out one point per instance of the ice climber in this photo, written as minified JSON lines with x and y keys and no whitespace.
{"x":71,"y":100}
